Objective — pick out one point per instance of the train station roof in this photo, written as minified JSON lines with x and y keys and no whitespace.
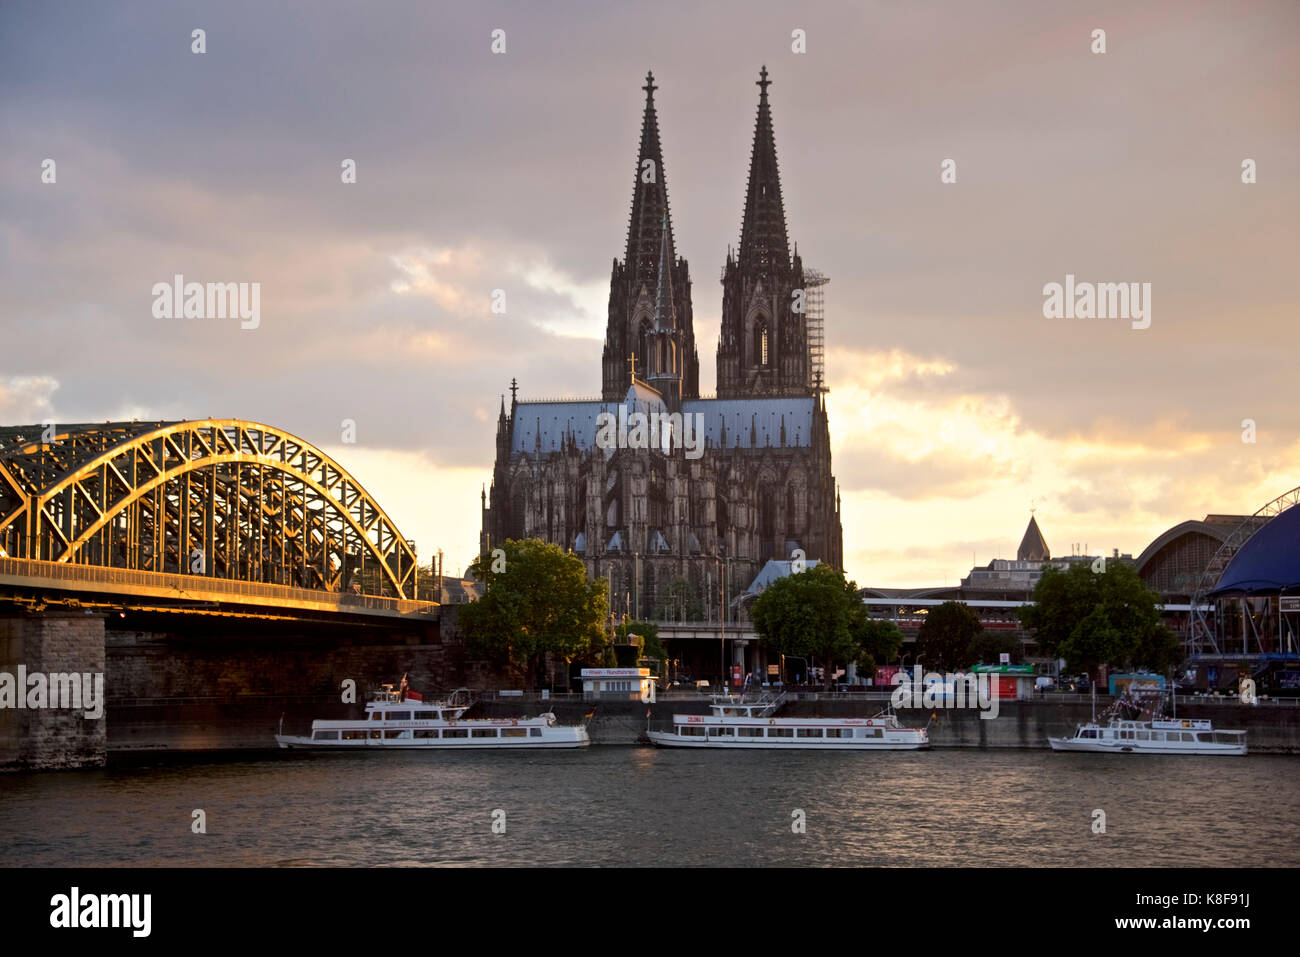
{"x":1269,"y":562}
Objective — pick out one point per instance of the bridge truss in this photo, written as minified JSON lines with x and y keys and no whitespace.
{"x":223,"y":498}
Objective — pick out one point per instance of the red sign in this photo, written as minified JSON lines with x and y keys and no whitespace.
{"x":735,"y":676}
{"x":885,"y":675}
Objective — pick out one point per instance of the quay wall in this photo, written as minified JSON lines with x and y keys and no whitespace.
{"x":248,"y":722}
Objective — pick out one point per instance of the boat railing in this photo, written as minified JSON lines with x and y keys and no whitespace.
{"x":765,"y":704}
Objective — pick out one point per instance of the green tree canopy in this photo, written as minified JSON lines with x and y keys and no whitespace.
{"x":946,"y":640}
{"x":1091,"y":618}
{"x":816,"y":613}
{"x":878,"y":641}
{"x":647,"y":633}
{"x":537,"y":600}
{"x":989,"y":646}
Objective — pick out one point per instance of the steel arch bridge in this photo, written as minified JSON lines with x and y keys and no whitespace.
{"x":223,"y":498}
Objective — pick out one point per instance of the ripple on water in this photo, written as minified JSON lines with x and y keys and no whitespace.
{"x":616,"y":806}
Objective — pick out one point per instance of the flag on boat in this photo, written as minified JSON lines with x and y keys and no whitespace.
{"x":414,"y":695}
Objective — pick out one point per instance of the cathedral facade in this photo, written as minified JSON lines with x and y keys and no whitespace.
{"x":679,"y":515}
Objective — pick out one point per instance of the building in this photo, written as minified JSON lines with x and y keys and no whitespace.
{"x":673,"y":496}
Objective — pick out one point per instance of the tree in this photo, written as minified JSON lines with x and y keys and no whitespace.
{"x":1091,"y":618}
{"x":538,"y":600}
{"x":878,"y":641}
{"x":989,"y":647}
{"x":649,"y":645}
{"x":946,"y":640}
{"x":813,"y":613}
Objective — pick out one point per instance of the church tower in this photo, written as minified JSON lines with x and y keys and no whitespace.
{"x":634,"y":282}
{"x":763,"y":345}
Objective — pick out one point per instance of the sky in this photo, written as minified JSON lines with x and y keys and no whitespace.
{"x":956,"y":406}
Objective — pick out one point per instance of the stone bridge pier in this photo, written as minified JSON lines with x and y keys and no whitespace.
{"x":39,"y":654}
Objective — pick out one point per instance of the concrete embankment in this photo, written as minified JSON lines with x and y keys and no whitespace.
{"x":249,"y":723}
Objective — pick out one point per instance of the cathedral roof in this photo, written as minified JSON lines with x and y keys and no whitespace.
{"x":763,"y":241}
{"x":745,"y":423}
{"x":1033,"y":547}
{"x":771,"y":572}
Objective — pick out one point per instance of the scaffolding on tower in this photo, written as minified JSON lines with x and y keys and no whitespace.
{"x":814,"y":312}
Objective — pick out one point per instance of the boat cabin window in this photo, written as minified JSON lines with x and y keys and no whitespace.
{"x":689,"y":731}
{"x":809,"y":733}
{"x":869,"y":733}
{"x":483,"y":733}
{"x":455,"y":733}
{"x":836,"y":733}
{"x":325,"y":736}
{"x":398,"y":715}
{"x":780,"y":732}
{"x":1144,"y":736}
{"x":750,"y":732}
{"x":514,"y":732}
{"x":376,"y":715}
{"x":1088,"y":733}
{"x":426,"y":733}
{"x":722,"y":732}
{"x":396,"y":733}
{"x":534,"y":732}
{"x":354,"y":734}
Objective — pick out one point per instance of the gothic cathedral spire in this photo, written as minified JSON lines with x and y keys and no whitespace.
{"x":763,"y":242}
{"x":634,"y":281}
{"x":763,"y":344}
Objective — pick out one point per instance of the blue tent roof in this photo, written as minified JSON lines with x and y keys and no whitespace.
{"x":1269,"y":562}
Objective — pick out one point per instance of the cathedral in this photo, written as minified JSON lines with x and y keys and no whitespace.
{"x":731,"y":482}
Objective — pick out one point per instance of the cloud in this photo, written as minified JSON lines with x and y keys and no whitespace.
{"x":27,"y":400}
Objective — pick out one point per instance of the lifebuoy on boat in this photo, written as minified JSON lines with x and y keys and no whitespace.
{"x":515,"y":721}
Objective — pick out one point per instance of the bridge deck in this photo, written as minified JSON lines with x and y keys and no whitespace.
{"x":183,"y":590}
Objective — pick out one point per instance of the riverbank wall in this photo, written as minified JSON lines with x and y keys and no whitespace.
{"x":249,"y":722}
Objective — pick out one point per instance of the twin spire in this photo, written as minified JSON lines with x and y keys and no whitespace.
{"x":763,"y":241}
{"x":763,"y":238}
{"x":649,"y":227}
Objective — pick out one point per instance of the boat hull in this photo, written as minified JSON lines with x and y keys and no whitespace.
{"x":1118,"y":747}
{"x":302,"y":743}
{"x":667,"y":739}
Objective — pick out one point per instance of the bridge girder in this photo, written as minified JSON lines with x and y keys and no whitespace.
{"x":225,"y":498}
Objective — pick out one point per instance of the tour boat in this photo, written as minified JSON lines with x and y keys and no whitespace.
{"x":1160,"y":735}
{"x":737,"y":722}
{"x":1167,"y":736}
{"x":402,"y":720}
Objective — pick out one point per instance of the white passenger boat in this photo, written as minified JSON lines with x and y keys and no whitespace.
{"x":1168,"y":736}
{"x":1159,"y":735}
{"x":752,"y":723}
{"x":402,"y":720}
